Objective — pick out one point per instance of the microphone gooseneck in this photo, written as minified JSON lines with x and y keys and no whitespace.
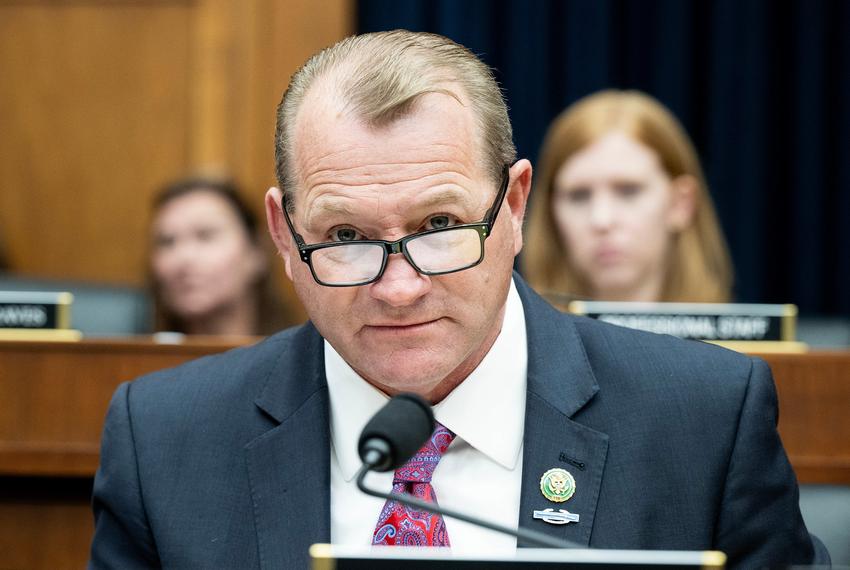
{"x":393,"y":435}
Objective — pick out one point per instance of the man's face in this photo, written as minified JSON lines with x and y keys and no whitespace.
{"x":406,"y":331}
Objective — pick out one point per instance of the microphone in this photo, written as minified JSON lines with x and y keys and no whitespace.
{"x":393,"y":435}
{"x":396,"y":432}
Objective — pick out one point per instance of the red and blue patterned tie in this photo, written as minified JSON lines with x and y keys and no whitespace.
{"x":400,"y":525}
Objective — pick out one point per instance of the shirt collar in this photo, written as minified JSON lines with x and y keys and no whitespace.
{"x":486,"y":410}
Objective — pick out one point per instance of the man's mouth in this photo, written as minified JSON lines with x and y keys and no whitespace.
{"x":403,"y":326}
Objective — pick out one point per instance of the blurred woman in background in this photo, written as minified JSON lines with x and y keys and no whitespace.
{"x":209,"y":271}
{"x":620,"y":209}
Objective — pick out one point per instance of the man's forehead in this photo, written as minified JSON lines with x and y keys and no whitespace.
{"x":350,"y":204}
{"x":437,"y":127}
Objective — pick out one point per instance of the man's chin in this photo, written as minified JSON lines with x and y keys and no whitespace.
{"x":403,"y":378}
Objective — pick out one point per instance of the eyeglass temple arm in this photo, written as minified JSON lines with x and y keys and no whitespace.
{"x":493,"y":212}
{"x":299,"y":241}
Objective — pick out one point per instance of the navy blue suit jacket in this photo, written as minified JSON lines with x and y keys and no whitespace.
{"x":224,"y":462}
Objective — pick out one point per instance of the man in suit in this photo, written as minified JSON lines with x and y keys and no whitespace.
{"x":396,"y":169}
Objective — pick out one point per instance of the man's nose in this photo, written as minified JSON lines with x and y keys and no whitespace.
{"x":401,"y":284}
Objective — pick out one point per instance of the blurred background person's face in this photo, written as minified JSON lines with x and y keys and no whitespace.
{"x":203,"y":260}
{"x":617,"y":211}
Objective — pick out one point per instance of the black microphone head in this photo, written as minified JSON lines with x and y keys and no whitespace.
{"x":398,"y":430}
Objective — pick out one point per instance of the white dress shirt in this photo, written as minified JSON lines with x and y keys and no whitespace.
{"x":480,"y":473}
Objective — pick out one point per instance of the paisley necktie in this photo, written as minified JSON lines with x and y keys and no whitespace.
{"x":405,"y":526}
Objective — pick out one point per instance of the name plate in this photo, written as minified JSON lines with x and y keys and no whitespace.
{"x":699,"y":321}
{"x":35,"y":310}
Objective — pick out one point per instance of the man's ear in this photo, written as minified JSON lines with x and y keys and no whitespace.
{"x":683,"y":202}
{"x":278,"y":228}
{"x":518,"y":189}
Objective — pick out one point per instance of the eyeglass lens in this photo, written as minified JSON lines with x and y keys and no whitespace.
{"x":348,"y":263}
{"x":445,"y":251}
{"x":439,"y":252}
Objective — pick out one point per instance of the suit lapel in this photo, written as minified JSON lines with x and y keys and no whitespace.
{"x":560,"y":383}
{"x":289,"y":465}
{"x":554,"y":441}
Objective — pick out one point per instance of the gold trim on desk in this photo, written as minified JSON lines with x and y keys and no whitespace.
{"x":39,"y":335}
{"x":763,"y":346}
{"x":789,"y":323}
{"x":322,"y":557}
{"x":63,"y":310}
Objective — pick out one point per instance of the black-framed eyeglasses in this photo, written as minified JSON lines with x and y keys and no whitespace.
{"x":431,"y":252}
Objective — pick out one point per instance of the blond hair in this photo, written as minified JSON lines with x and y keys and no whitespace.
{"x":699,"y":267}
{"x":380,"y":76}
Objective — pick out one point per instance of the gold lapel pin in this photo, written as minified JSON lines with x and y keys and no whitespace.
{"x":557,"y":485}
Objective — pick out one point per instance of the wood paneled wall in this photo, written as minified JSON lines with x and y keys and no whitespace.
{"x":102,"y":102}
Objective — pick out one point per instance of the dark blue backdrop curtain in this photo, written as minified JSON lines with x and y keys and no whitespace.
{"x":763,"y":87}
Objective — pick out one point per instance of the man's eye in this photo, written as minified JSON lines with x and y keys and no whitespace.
{"x":345,"y":234}
{"x":441,"y":221}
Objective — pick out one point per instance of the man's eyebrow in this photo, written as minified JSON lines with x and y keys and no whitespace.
{"x":443,"y":197}
{"x":329,"y":208}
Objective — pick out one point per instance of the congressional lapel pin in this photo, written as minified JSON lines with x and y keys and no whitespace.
{"x":557,"y":485}
{"x":552,"y":516}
